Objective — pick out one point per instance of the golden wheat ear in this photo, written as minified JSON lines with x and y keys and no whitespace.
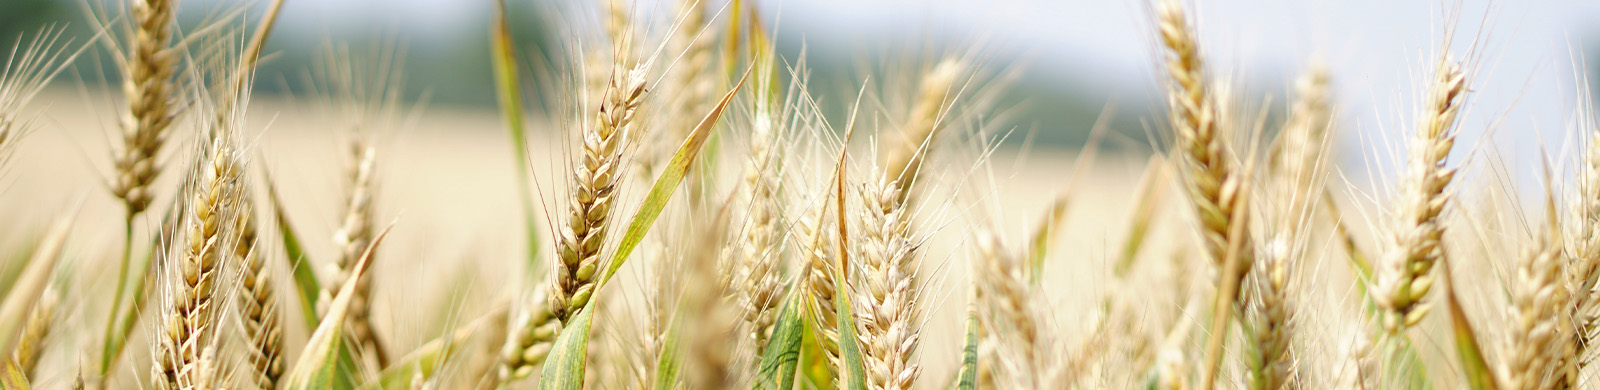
{"x":190,"y":316}
{"x":149,"y":70}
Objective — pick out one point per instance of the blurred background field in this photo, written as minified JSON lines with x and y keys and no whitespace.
{"x":448,"y":179}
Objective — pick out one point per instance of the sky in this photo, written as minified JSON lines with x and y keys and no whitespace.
{"x":1524,"y":54}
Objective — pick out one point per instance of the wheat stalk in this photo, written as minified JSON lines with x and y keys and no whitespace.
{"x":1404,"y":274}
{"x":884,"y":289}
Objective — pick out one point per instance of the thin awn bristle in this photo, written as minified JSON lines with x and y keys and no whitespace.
{"x":1403,"y":273}
{"x":928,"y":114}
{"x":22,"y":76}
{"x":149,"y":88}
{"x":885,"y":290}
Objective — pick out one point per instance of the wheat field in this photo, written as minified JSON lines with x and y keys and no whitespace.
{"x":682,"y":212}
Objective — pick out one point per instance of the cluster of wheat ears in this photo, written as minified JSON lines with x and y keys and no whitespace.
{"x":809,"y":266}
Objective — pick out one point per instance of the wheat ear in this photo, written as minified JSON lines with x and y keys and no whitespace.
{"x":190,"y":316}
{"x":1299,"y":162}
{"x":888,"y":312}
{"x":353,"y":238}
{"x":526,"y":349}
{"x":1584,"y":268}
{"x":1015,"y":318}
{"x":259,"y":307}
{"x":572,"y":281}
{"x":816,"y":245}
{"x":148,"y":87}
{"x":1404,"y":273}
{"x":1213,"y":183}
{"x":595,"y":178}
{"x":762,"y":251}
{"x":709,"y":359}
{"x":31,"y":342}
{"x":904,"y":162}
{"x":1536,"y":335}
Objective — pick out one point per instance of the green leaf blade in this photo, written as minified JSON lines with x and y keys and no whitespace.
{"x":968,"y":379}
{"x":783,"y":348}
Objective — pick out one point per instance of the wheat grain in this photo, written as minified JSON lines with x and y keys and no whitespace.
{"x":1404,"y":272}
